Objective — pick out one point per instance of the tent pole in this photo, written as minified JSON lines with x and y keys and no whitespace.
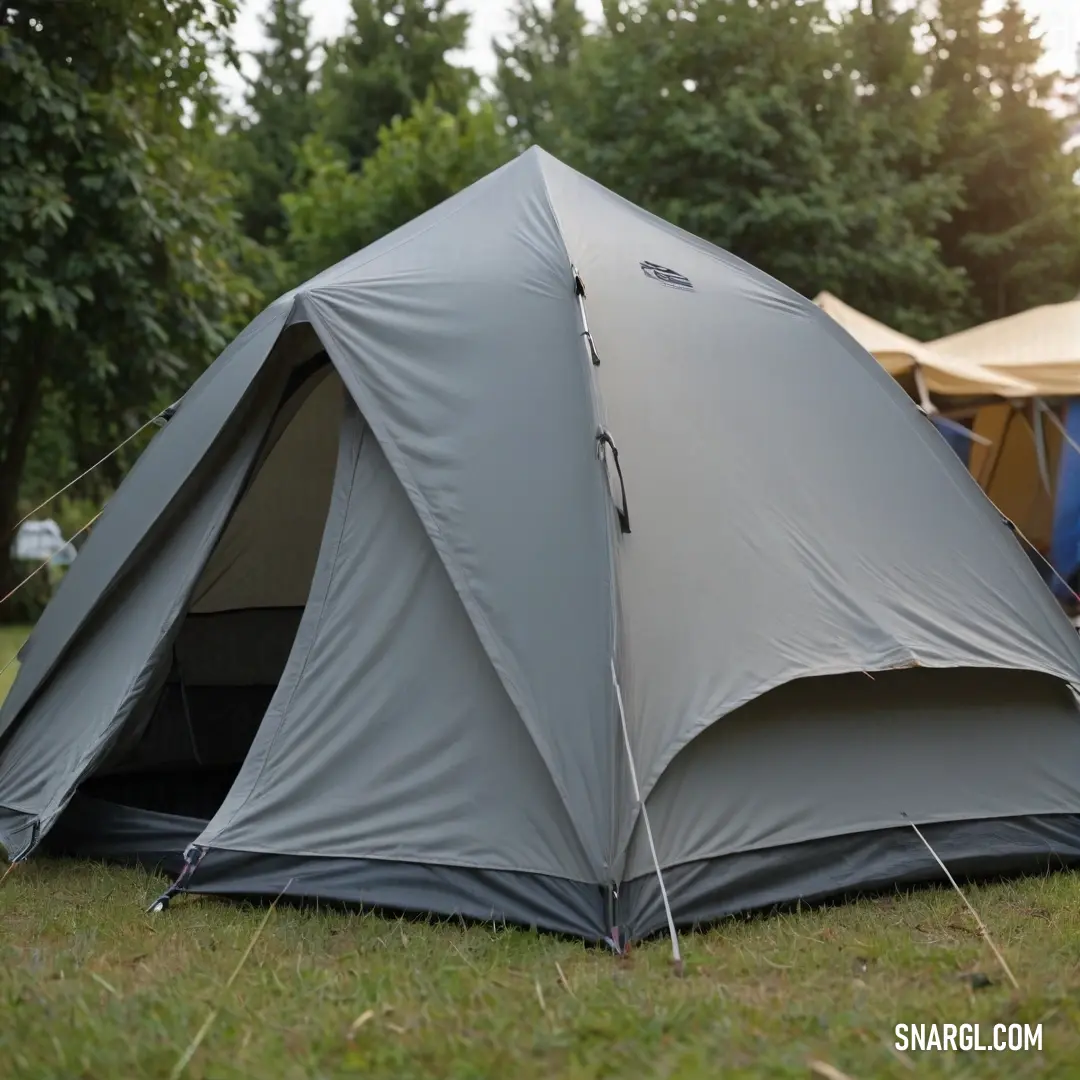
{"x":676,"y":956}
{"x":579,"y":292}
{"x":1038,"y":439}
{"x":925,"y":402}
{"x":184,"y":705}
{"x":1058,"y":424}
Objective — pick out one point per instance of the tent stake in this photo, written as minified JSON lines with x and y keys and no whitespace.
{"x":676,"y":956}
{"x":967,"y":904}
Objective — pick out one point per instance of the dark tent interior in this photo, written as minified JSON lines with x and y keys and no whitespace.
{"x":232,"y":646}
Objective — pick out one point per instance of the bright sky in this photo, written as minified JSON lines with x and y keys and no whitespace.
{"x":1059,"y":21}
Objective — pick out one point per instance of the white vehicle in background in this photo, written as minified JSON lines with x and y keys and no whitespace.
{"x":41,"y":541}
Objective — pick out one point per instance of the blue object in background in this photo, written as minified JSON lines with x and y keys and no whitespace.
{"x":1065,"y":546}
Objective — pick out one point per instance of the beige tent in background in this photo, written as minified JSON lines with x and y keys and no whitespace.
{"x":912,"y":362}
{"x":1041,"y":346}
{"x":995,"y":378}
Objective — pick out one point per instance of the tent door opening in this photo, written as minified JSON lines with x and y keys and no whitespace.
{"x":236,"y":636}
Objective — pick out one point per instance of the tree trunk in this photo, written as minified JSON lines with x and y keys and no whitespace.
{"x":25,"y":402}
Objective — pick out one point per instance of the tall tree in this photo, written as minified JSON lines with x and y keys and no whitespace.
{"x":279,"y":115}
{"x":903,"y":117}
{"x":420,"y":161}
{"x":538,"y":67}
{"x":1016,"y":232}
{"x":743,"y":124}
{"x":118,"y":253}
{"x":392,"y":54}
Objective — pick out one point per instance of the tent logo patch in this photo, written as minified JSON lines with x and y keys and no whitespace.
{"x":666,"y":276}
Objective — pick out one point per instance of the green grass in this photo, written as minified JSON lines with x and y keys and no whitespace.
{"x":11,"y":640}
{"x":92,"y":987}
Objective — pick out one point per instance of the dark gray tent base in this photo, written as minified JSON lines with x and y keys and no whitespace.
{"x":838,"y":867}
{"x":811,"y":872}
{"x":97,"y":829}
{"x":491,"y":896}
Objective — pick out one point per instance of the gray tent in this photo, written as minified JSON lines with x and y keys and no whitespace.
{"x":373,"y":611}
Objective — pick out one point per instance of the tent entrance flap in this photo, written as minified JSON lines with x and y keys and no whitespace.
{"x":238,"y":631}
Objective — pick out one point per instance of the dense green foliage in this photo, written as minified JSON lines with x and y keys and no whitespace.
{"x":1016,"y":227}
{"x":261,"y":145}
{"x":393,"y":53}
{"x":910,"y":159}
{"x":419,"y":161}
{"x":121,"y":270}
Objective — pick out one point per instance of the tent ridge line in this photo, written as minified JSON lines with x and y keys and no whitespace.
{"x":590,"y":379}
{"x":503,"y":666}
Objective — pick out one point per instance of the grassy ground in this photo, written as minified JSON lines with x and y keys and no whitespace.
{"x":11,"y":639}
{"x":92,"y":987}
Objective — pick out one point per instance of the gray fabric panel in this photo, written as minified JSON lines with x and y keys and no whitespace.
{"x":793,"y":513}
{"x":390,"y":735}
{"x":16,"y":831}
{"x":461,"y":345}
{"x":819,"y":870}
{"x":491,"y":896}
{"x":841,"y":754}
{"x":148,"y":492}
{"x":110,"y":670}
{"x":96,"y":829}
{"x":266,"y":558}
